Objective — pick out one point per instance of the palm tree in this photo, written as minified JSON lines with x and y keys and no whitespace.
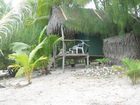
{"x":25,"y":62}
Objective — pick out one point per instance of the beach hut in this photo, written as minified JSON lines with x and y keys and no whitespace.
{"x":68,"y":16}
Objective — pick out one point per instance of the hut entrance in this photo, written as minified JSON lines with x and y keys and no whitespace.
{"x":71,"y":49}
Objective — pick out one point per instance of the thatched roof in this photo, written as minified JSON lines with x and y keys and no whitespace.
{"x":72,"y":18}
{"x":56,"y":20}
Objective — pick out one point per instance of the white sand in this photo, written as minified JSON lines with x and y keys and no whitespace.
{"x":66,"y":89}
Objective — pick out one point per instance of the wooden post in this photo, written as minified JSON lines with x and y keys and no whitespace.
{"x":87,"y":61}
{"x":63,"y":47}
{"x":54,"y":55}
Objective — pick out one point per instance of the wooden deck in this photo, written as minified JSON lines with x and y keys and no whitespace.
{"x":72,"y":55}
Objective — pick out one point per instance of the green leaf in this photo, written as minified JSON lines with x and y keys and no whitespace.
{"x":39,"y":59}
{"x":49,"y":44}
{"x":20,"y":72}
{"x":35,"y":50}
{"x":21,"y":59}
{"x":41,"y":34}
{"x":19,"y":47}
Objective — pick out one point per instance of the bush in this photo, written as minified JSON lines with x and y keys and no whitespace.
{"x":133,"y":69}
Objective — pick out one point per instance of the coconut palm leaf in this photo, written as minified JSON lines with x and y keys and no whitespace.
{"x":41,"y":36}
{"x":3,"y":8}
{"x":42,"y":58}
{"x":49,"y":44}
{"x":20,"y":72}
{"x":13,"y":20}
{"x":20,"y":59}
{"x":35,"y":50}
{"x":19,"y":47}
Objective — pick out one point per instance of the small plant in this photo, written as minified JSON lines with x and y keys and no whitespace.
{"x":102,"y":60}
{"x":133,"y":69}
{"x":47,"y":49}
{"x":26,"y":62}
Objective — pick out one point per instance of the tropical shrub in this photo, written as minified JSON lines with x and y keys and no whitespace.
{"x":25,"y":62}
{"x":47,"y":49}
{"x":133,"y":69}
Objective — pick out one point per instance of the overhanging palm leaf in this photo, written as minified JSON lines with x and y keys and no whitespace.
{"x":19,"y":47}
{"x":3,"y":8}
{"x":11,"y":21}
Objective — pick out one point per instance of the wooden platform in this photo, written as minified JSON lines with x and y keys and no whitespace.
{"x":72,"y":55}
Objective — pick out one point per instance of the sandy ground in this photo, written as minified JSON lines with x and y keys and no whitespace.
{"x":67,"y":89}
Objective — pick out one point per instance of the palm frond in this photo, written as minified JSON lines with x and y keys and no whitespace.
{"x":13,"y":20}
{"x":42,"y":58}
{"x":35,"y":50}
{"x":20,"y":59}
{"x":41,"y":34}
{"x":20,"y":72}
{"x":19,"y":47}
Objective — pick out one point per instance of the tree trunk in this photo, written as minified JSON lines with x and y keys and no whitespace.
{"x":29,"y":78}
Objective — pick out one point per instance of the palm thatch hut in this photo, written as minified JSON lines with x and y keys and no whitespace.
{"x":74,"y":19}
{"x":77,"y":19}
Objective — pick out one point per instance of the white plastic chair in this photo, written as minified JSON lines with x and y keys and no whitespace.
{"x":78,"y":47}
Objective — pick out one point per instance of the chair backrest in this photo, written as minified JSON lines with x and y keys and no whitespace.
{"x":82,"y":44}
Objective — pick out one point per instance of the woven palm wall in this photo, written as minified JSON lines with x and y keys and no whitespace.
{"x":120,"y":47}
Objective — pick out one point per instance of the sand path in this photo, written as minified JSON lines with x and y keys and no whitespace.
{"x":66,"y":89}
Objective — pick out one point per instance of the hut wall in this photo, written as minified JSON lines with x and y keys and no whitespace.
{"x":95,"y":44}
{"x":119,"y":47}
